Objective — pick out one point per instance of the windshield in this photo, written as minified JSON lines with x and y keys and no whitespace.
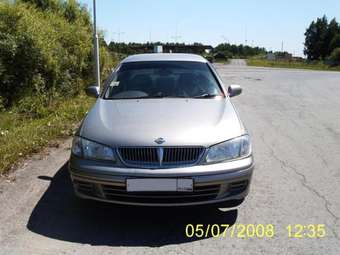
{"x":163,"y":79}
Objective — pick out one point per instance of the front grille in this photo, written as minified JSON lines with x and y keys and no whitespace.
{"x":118,"y":193}
{"x":160,"y":156}
{"x":140,"y":155}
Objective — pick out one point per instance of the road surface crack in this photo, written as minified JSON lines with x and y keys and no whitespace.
{"x":303,"y":180}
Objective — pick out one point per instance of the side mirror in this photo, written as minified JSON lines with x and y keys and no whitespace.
{"x":92,"y":91}
{"x":234,"y":90}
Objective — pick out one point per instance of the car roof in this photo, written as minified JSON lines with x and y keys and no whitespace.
{"x":164,"y":57}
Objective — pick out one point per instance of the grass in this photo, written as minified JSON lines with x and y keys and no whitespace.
{"x":292,"y":64}
{"x":221,"y":61}
{"x":21,"y":136}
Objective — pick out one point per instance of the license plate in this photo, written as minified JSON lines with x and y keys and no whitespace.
{"x":152,"y":184}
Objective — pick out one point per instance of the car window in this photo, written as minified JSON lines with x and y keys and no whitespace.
{"x":163,"y":79}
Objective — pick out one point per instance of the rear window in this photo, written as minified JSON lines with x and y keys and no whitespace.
{"x":163,"y":79}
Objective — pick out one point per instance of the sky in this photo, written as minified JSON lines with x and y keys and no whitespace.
{"x":265,"y":23}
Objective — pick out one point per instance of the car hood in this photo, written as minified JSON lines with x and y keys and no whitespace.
{"x":180,"y":122}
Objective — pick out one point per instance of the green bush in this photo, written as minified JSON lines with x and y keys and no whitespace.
{"x":46,"y":51}
{"x":2,"y":105}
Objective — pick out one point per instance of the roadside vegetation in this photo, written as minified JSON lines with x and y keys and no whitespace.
{"x":45,"y":64}
{"x":21,"y":135}
{"x":296,"y":64}
{"x":237,"y":51}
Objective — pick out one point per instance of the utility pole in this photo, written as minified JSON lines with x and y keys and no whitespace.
{"x":96,"y":46}
{"x":118,"y":33}
{"x":226,"y":40}
{"x":176,"y":36}
{"x":282,"y":46}
{"x":150,"y":33}
{"x":246,"y":36}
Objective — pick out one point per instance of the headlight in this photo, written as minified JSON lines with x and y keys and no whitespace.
{"x":236,"y":148}
{"x":91,"y":150}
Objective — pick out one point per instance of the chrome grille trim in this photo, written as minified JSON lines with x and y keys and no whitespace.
{"x":149,"y":157}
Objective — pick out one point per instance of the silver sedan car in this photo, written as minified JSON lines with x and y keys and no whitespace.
{"x":163,"y":132}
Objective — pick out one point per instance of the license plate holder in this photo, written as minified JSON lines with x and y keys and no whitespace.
{"x":160,"y":185}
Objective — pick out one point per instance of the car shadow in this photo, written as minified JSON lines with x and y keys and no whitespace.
{"x":60,"y":215}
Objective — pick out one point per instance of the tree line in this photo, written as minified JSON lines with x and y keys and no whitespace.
{"x":137,"y":48}
{"x":225,"y":49}
{"x":239,"y":51}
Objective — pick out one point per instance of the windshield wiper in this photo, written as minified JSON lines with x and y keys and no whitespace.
{"x":152,"y":96}
{"x":160,"y":96}
{"x":206,"y":95}
{"x":148,"y":97}
{"x":141,"y":97}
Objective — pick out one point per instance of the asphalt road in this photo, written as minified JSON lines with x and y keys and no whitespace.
{"x":294,"y":119}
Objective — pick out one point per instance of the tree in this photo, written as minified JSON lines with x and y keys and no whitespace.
{"x":335,"y":56}
{"x":316,"y":45}
{"x":322,"y":38}
{"x":53,"y":5}
{"x":335,"y":42}
{"x":333,"y":36}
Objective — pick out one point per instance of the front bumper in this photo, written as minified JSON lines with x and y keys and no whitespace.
{"x":213,"y":183}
